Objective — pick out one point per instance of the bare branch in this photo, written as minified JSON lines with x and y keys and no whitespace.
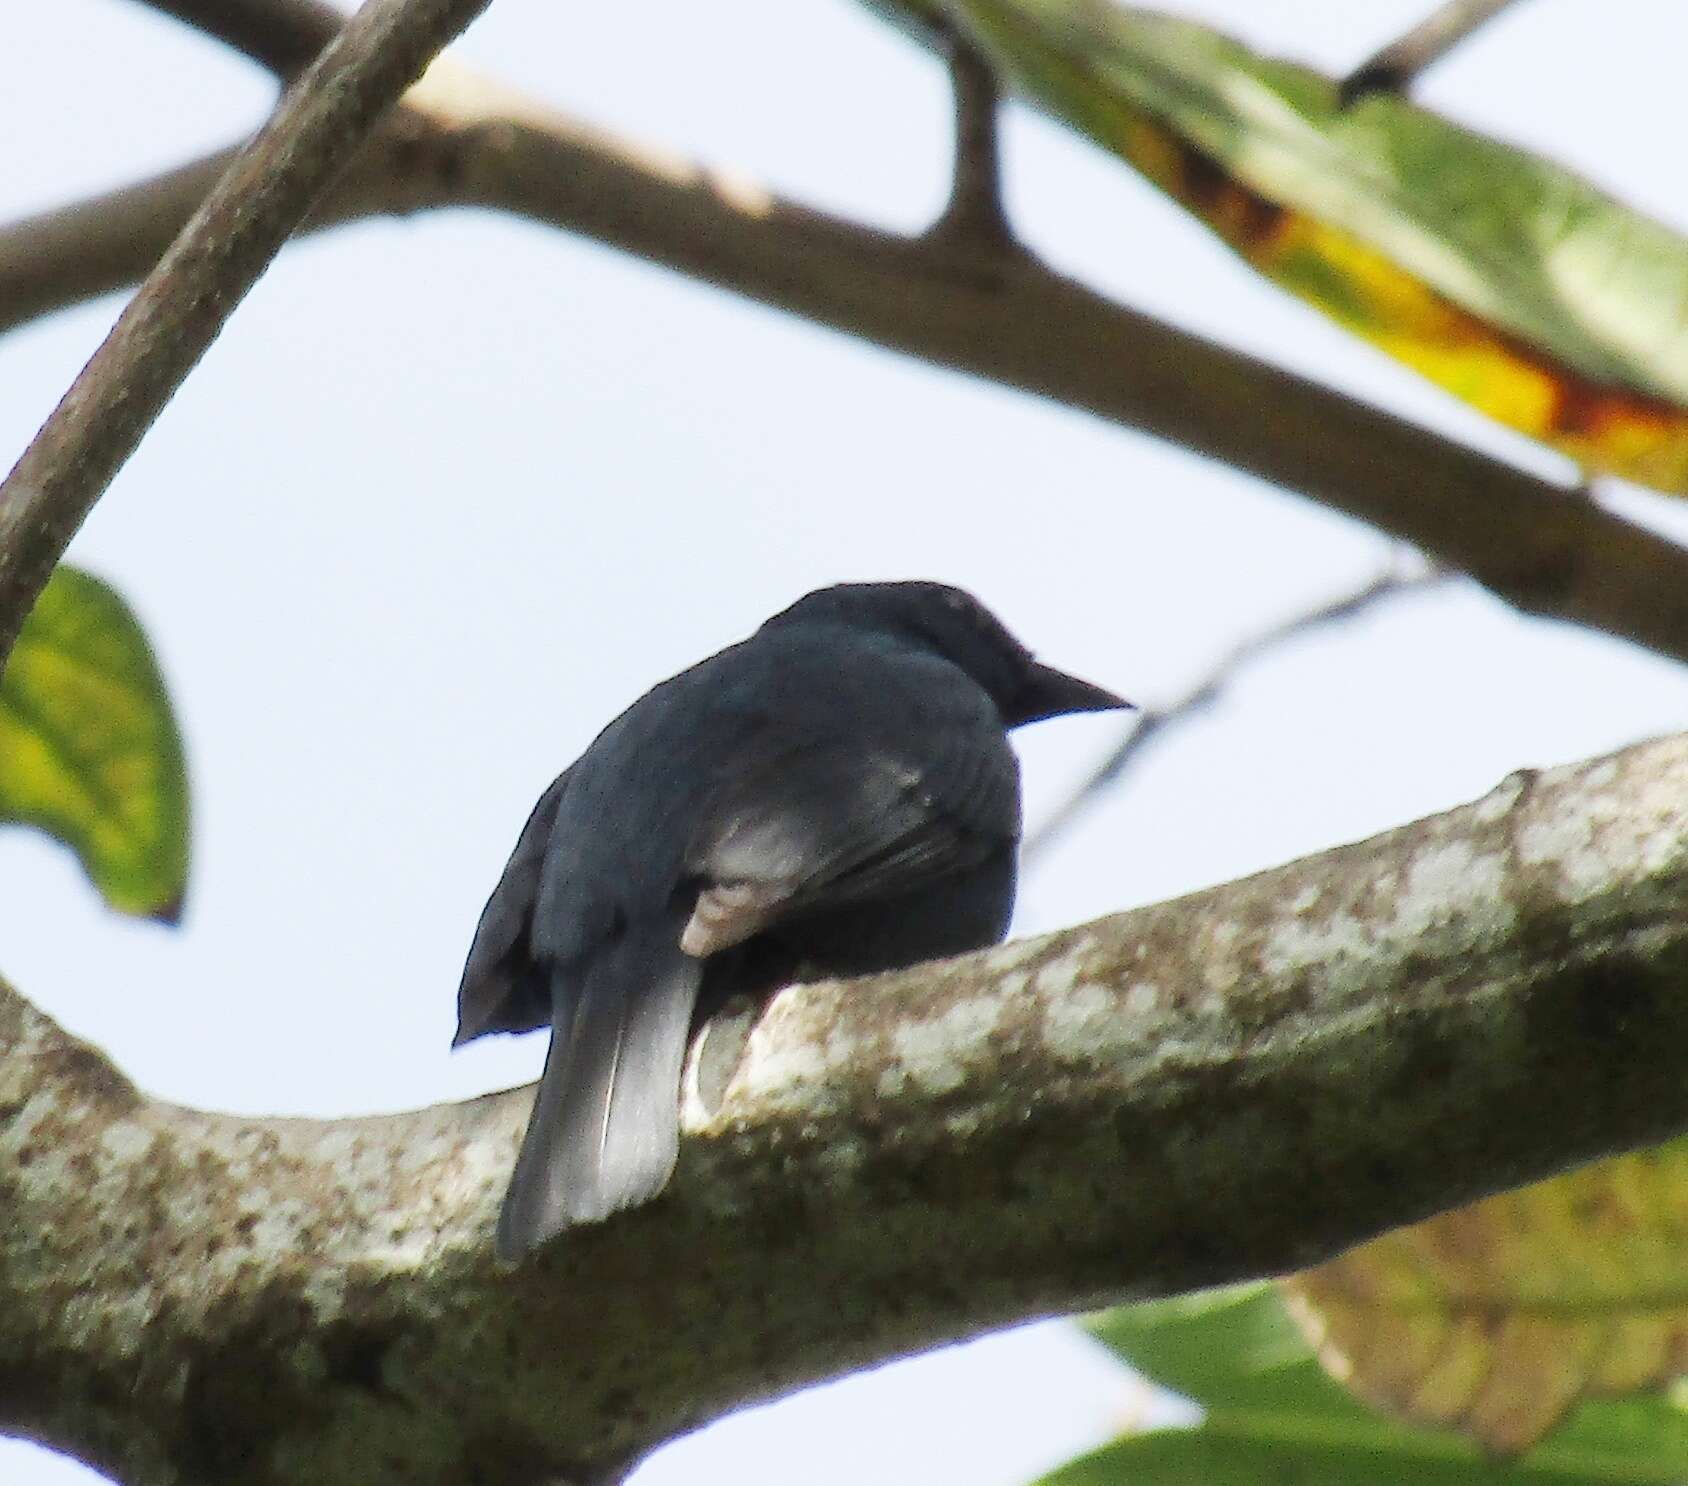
{"x":282,"y":35}
{"x":1152,"y":723}
{"x":1127,"y":1109}
{"x":1025,"y":326}
{"x":975,"y":211}
{"x":77,"y":252}
{"x":194,"y":288}
{"x":1002,"y":316}
{"x":1395,"y":68}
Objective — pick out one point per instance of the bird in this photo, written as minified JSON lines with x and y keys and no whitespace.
{"x":833,"y":796}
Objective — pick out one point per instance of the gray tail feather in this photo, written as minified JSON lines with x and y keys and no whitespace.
{"x":605,"y":1127}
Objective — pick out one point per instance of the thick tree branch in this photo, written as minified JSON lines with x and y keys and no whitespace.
{"x":176,"y":314}
{"x":1023,"y":325}
{"x":1005,"y":317}
{"x":1131,"y":1108}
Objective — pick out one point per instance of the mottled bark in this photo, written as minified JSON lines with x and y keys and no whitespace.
{"x":1235,"y":1083}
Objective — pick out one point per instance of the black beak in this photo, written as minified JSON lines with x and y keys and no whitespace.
{"x":1047,"y":692}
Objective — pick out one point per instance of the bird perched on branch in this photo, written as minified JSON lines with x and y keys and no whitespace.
{"x":833,"y":796}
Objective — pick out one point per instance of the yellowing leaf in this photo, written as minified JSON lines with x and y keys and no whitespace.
{"x":89,"y":750}
{"x":1270,"y":1415}
{"x":1506,"y":279}
{"x":1497,"y":1318}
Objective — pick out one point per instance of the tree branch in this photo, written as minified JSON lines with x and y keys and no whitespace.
{"x":1005,"y":317}
{"x":74,"y":253}
{"x":975,"y":211}
{"x":1397,"y":66}
{"x":282,"y":35}
{"x":218,"y":256}
{"x":1025,"y":326}
{"x":1151,"y":723}
{"x":1131,"y":1108}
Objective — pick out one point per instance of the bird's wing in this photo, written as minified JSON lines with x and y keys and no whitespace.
{"x":834,"y":821}
{"x":503,"y":989}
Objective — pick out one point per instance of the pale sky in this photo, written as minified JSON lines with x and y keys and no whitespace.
{"x":451,"y":491}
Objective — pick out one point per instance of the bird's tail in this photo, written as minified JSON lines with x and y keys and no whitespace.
{"x":605,"y":1127}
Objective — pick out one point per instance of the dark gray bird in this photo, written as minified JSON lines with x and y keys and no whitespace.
{"x":833,"y":796}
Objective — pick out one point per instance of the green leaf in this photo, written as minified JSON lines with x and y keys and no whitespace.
{"x":1498,"y":274}
{"x":89,"y":750}
{"x":1273,"y":1417}
{"x":1231,"y":1348}
{"x":1261,"y":1451}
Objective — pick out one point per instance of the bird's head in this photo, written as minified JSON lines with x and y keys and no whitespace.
{"x":952,"y":623}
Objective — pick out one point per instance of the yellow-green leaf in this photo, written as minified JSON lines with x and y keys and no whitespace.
{"x":1495,"y":1319}
{"x":1498,"y":274}
{"x":89,"y":750}
{"x":1270,"y":1415}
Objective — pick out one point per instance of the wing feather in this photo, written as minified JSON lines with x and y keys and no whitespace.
{"x":503,"y":988}
{"x":829,"y":822}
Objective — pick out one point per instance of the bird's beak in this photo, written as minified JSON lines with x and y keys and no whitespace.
{"x":1047,"y":692}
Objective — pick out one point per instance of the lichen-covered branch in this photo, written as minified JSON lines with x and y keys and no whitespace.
{"x":217,"y":256}
{"x":1130,"y":1108}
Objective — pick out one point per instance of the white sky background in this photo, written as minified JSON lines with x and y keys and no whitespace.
{"x":451,"y":491}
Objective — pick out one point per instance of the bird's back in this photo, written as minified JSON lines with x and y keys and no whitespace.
{"x":810,"y":726}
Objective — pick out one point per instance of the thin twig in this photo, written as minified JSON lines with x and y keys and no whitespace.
{"x":282,"y":35}
{"x":1398,"y":65}
{"x":975,"y":213}
{"x":321,"y":121}
{"x":1152,"y":723}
